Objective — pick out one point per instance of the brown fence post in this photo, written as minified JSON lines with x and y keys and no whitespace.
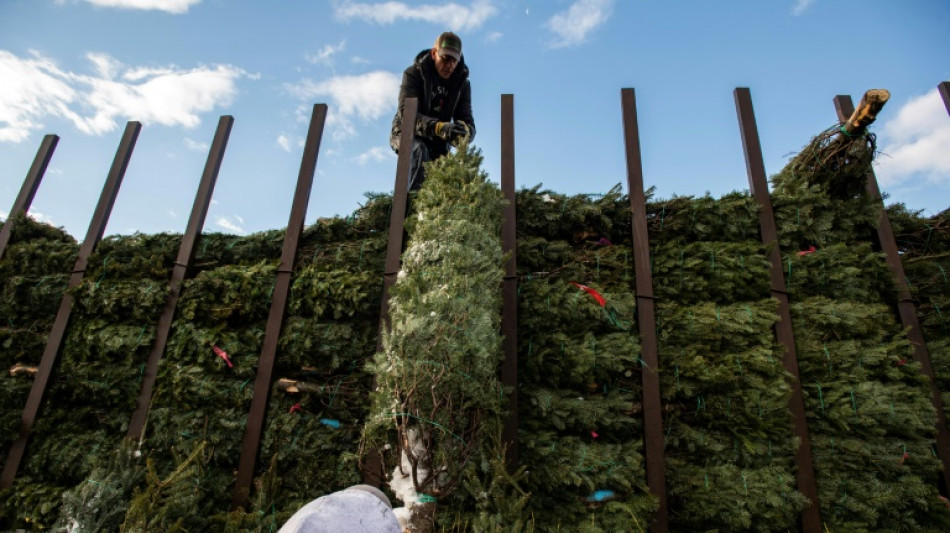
{"x":397,"y":216}
{"x":652,"y":405}
{"x":905,"y":305}
{"x":275,"y":320}
{"x":96,"y":228}
{"x":373,"y":465}
{"x":185,"y":255}
{"x":944,"y":89}
{"x":755,"y":167}
{"x":509,"y":313}
{"x":28,"y":190}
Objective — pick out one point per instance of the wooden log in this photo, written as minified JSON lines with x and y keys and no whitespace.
{"x":866,"y":112}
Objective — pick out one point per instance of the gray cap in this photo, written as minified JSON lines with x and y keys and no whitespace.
{"x":357,"y":509}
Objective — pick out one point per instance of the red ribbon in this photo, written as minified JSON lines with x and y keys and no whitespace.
{"x":811,"y":249}
{"x":594,"y":434}
{"x":223,"y":355}
{"x":296,"y":407}
{"x":592,"y":292}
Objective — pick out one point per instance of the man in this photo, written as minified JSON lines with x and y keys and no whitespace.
{"x":438,"y":78}
{"x":358,"y":509}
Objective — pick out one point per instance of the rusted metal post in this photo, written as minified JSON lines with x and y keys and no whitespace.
{"x":373,"y":465}
{"x":509,"y":312}
{"x":905,"y":305}
{"x":275,"y":320}
{"x":646,"y":317}
{"x":186,"y":252}
{"x":397,"y":216}
{"x":944,"y":89}
{"x":28,"y":190}
{"x":755,"y":167}
{"x":96,"y":228}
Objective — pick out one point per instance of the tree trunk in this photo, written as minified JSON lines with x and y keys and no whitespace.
{"x":871,"y":104}
{"x":422,"y":519}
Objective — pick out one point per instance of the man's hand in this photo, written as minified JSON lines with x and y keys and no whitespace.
{"x":459,"y":132}
{"x":444,"y":130}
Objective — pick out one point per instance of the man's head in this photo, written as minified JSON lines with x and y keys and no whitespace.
{"x":446,"y":53}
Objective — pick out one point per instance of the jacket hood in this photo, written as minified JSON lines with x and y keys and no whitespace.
{"x":425,"y":63}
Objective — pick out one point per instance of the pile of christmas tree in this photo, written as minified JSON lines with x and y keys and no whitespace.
{"x":181,"y":473}
{"x":728,"y":434}
{"x":579,"y":376}
{"x":728,"y":443}
{"x":867,"y":405}
{"x":925,"y":247}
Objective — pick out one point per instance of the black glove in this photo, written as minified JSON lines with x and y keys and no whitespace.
{"x":459,"y":132}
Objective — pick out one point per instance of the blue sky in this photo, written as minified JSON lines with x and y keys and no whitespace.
{"x":82,"y":68}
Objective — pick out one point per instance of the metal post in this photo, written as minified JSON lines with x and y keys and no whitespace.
{"x":185,"y":255}
{"x":373,"y":467}
{"x":275,"y":320}
{"x":28,"y":190}
{"x":646,"y":317}
{"x":944,"y":89}
{"x":397,"y":216}
{"x":905,"y":305}
{"x":509,"y":313}
{"x":755,"y":167}
{"x":96,"y":228}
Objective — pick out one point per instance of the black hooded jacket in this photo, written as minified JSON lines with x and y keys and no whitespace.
{"x":439,"y":101}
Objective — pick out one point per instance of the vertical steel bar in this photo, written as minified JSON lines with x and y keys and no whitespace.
{"x":944,"y":89}
{"x":373,"y":467}
{"x":186,"y":252}
{"x":905,"y":305}
{"x":652,"y":406}
{"x":509,"y":313}
{"x":397,"y":217}
{"x":30,"y":185}
{"x":755,"y":167}
{"x":275,"y":320}
{"x":96,"y":228}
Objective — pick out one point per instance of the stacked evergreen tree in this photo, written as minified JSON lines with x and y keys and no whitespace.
{"x":867,"y":405}
{"x":579,"y":375}
{"x":925,"y":247}
{"x":728,"y":428}
{"x":34,"y":272}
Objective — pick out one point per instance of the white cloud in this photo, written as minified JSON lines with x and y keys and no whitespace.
{"x":914,"y":143}
{"x":367,"y":97}
{"x":800,"y":6}
{"x":4,"y":214}
{"x":325,"y":55}
{"x":374,"y":154}
{"x":493,"y":37}
{"x":284,"y":142}
{"x":225,"y":223}
{"x":36,"y":88}
{"x":175,"y":7}
{"x":357,"y":60}
{"x":572,"y":27}
{"x":195,"y":145}
{"x":172,"y":213}
{"x":40,"y":217}
{"x":453,"y":16}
